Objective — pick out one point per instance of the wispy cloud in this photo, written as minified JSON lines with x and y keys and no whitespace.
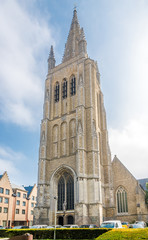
{"x":23,"y":40}
{"x":11,"y":161}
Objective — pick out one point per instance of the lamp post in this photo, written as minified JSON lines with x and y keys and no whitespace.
{"x":64,"y":210}
{"x":55,"y":205}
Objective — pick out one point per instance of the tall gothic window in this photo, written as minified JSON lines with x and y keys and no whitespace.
{"x":61,"y":193}
{"x":70,"y":195}
{"x":122,"y":205}
{"x":64,"y":89}
{"x":73,"y":86}
{"x":56,"y":92}
{"x":66,"y":192}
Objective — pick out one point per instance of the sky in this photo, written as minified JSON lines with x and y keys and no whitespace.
{"x":117,"y":38}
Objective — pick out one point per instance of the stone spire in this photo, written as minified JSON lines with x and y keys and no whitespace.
{"x":51,"y":59}
{"x":76,"y":34}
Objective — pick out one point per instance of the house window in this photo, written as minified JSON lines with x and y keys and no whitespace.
{"x":33,"y":197}
{"x":7,"y":191}
{"x":122,"y":205}
{"x":73,"y":86}
{"x":64,"y":89}
{"x":1,"y":199}
{"x":1,"y":190}
{"x":24,"y":203}
{"x":31,"y":212}
{"x":23,"y":211}
{"x":18,"y":194}
{"x":5,"y":210}
{"x":0,"y":209}
{"x":17,"y":211}
{"x":24,"y":195}
{"x":32,"y":204}
{"x":6,"y":200}
{"x":56,"y":92}
{"x":66,"y":192}
{"x":18,"y":202}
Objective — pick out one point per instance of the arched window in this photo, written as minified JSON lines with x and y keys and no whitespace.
{"x":122,"y":205}
{"x":61,"y":193}
{"x":73,"y":86}
{"x":70,"y":193}
{"x":65,"y":192}
{"x":64,"y":89}
{"x":56,"y":92}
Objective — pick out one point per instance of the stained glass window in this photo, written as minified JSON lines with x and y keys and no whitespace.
{"x":122,"y":205}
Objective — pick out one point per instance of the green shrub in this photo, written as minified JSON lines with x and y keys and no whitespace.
{"x":60,"y":233}
{"x":125,"y":234}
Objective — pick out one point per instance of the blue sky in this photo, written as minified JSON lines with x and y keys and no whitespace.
{"x":117,"y":36}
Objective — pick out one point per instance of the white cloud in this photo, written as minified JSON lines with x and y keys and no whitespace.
{"x":11,"y":161}
{"x":130,"y":146}
{"x":23,"y":40}
{"x":118,"y":40}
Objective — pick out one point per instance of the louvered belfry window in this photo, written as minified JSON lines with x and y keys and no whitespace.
{"x":56,"y":93}
{"x":66,"y":192}
{"x":73,"y":86}
{"x":64,"y":89}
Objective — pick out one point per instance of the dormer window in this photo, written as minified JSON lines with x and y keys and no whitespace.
{"x":56,"y":92}
{"x":64,"y":89}
{"x":73,"y":86}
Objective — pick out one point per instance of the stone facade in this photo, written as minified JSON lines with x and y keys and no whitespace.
{"x":75,"y":166}
{"x":137,"y":209}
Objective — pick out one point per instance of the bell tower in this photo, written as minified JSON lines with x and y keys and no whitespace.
{"x":74,"y":170}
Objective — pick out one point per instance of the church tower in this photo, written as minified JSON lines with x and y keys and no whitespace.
{"x":74,"y":170}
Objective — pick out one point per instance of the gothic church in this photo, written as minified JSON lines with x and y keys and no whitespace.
{"x":77,"y":182}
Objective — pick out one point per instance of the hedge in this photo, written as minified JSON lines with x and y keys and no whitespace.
{"x":125,"y":234}
{"x":77,"y":233}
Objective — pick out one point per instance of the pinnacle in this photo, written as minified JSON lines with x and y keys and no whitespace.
{"x":51,"y":54}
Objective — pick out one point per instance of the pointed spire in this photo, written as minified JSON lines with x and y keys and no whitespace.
{"x":51,"y":59}
{"x":74,"y":36}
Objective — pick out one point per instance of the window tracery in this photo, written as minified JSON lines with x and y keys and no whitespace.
{"x":122,"y":204}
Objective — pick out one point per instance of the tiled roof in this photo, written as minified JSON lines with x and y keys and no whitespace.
{"x":28,"y":189}
{"x":143,"y":182}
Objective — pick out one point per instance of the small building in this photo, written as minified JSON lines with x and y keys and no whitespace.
{"x":16,"y":203}
{"x":6,"y":200}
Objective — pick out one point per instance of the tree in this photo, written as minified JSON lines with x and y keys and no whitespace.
{"x":146,"y":196}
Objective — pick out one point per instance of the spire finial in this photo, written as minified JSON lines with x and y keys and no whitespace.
{"x":75,"y":7}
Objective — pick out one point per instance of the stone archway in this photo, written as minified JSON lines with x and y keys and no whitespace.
{"x":61,"y":220}
{"x":70,"y":219}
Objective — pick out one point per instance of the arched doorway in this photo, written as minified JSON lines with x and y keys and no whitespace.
{"x":70,"y":220}
{"x":61,"y":220}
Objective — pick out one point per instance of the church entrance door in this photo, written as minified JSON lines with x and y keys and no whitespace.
{"x":70,"y":220}
{"x":61,"y":220}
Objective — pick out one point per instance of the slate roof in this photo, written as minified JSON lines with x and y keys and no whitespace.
{"x":14,"y":186}
{"x":28,"y":189}
{"x":143,"y":182}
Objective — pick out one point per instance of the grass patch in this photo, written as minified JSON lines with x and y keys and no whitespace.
{"x":125,"y":234}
